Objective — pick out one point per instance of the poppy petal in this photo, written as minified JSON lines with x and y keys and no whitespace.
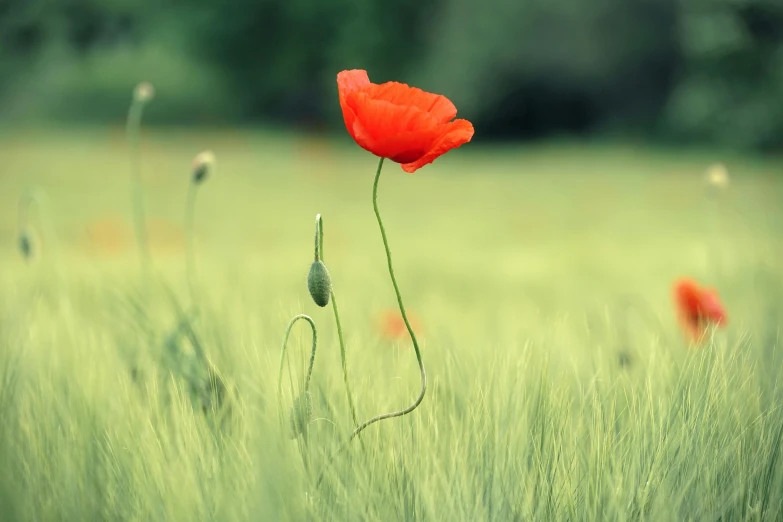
{"x":711,"y":307}
{"x":352,"y":80}
{"x":697,"y":307}
{"x":457,"y":133}
{"x":392,"y":131}
{"x":347,"y":83}
{"x":437,"y":106}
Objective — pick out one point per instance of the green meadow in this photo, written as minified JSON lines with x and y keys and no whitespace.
{"x":559,"y":384}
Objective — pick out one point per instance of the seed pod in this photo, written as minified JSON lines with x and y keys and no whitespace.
{"x":202,"y":166}
{"x":319,"y":283}
{"x":301,"y":414}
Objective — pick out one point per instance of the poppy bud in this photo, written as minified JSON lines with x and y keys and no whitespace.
{"x":25,"y":242}
{"x":143,"y":92}
{"x":202,"y":165}
{"x":319,"y":283}
{"x":301,"y":414}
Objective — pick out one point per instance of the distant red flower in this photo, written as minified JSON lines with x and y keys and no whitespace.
{"x":398,"y":122}
{"x":393,"y":327}
{"x":697,"y":308}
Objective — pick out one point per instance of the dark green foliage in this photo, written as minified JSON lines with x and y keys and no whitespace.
{"x":729,"y":88}
{"x":690,"y":70}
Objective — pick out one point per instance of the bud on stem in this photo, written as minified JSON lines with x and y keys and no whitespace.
{"x":25,"y":242}
{"x":319,"y":283}
{"x":203,"y":164}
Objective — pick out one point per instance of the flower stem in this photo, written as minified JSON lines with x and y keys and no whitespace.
{"x":190,"y":253}
{"x":714,"y":249}
{"x":133,"y":131}
{"x":49,"y":233}
{"x":319,"y":254}
{"x":282,"y":355}
{"x":420,"y":397}
{"x":351,"y":404}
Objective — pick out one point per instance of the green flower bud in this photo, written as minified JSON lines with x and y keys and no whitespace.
{"x":319,"y":283}
{"x":301,"y":414}
{"x":202,"y":165}
{"x":26,"y":244}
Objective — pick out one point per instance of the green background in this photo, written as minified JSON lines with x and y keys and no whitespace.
{"x":708,"y":71}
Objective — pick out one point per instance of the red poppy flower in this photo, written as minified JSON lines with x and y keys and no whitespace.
{"x":398,"y":122}
{"x":393,"y":327}
{"x":697,"y":308}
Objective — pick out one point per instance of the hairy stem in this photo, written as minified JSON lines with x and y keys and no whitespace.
{"x":351,"y":404}
{"x":319,"y":254}
{"x":282,"y":355}
{"x":420,"y":397}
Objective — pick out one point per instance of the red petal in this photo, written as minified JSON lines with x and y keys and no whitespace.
{"x":352,"y":80}
{"x":712,"y":308}
{"x":687,"y":296}
{"x":439,"y":107}
{"x":456,"y":133}
{"x":349,"y":82}
{"x":391,"y":131}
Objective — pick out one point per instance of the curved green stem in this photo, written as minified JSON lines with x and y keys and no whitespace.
{"x":420,"y":397}
{"x":282,"y":355}
{"x":190,"y":251}
{"x":319,"y":254}
{"x":133,"y":130}
{"x":351,"y":404}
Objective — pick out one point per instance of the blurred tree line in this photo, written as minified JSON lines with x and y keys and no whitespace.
{"x":706,"y":71}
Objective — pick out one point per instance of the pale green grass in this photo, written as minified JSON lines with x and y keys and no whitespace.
{"x":517,"y":262}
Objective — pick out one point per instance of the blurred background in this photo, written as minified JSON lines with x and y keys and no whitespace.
{"x":706,"y":72}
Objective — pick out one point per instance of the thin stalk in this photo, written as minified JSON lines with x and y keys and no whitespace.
{"x":282,"y":356}
{"x":49,"y":233}
{"x":190,"y":249}
{"x":344,"y":363}
{"x":420,"y":397}
{"x":715,"y":241}
{"x":319,"y":254}
{"x":133,"y":130}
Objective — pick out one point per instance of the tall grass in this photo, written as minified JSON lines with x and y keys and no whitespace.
{"x":530,"y":415}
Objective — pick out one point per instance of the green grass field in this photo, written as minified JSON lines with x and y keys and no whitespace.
{"x":560,"y":387}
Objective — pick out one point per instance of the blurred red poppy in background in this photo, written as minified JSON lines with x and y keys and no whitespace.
{"x":697,"y":308}
{"x":393,"y":327}
{"x":398,"y":122}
